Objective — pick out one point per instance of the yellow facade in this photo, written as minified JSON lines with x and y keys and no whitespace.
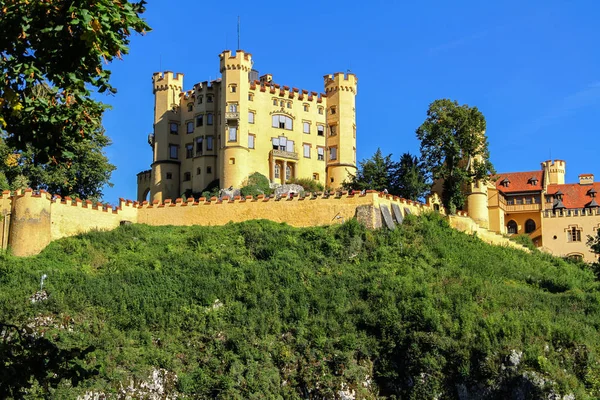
{"x":240,"y":124}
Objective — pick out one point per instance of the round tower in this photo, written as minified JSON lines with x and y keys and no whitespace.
{"x":166,"y":141}
{"x":477,"y":204}
{"x":233,"y":103}
{"x":554,"y":172}
{"x":341,"y":92}
{"x":30,"y":224}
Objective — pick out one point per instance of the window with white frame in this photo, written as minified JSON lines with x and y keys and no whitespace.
{"x":250,"y":117}
{"x":320,"y":130}
{"x":277,"y":171}
{"x":306,"y":150}
{"x":306,"y":127}
{"x":233,"y":107}
{"x":173,"y":148}
{"x":574,"y":234}
{"x":232,"y":134}
{"x":333,"y":153}
{"x":251,"y":141}
{"x":282,"y":122}
{"x":282,"y":143}
{"x":320,"y":153}
{"x":190,"y":127}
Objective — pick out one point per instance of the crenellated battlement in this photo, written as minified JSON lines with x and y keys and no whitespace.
{"x":240,"y":60}
{"x":340,"y":81}
{"x":287,"y":92}
{"x":167,"y":80}
{"x":571,"y":212}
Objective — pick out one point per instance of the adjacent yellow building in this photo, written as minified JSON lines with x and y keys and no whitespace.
{"x":239,"y":124}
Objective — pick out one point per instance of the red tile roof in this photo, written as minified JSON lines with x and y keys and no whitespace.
{"x":574,"y":194}
{"x":519,"y":181}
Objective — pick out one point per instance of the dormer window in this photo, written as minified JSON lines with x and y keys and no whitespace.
{"x":505,"y":182}
{"x":533,"y":181}
{"x":558,"y":204}
{"x":592,"y":193}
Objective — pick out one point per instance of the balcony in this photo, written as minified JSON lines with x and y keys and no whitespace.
{"x":232,"y":115}
{"x":284,"y":154}
{"x":522,"y":207}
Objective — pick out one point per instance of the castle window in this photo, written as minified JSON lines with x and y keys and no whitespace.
{"x":519,"y":201}
{"x":306,"y":127}
{"x":548,"y":199}
{"x":510,"y":201}
{"x":198,"y":171}
{"x":274,"y":102}
{"x":209,"y":98}
{"x":315,"y":177}
{"x":250,"y":117}
{"x":209,"y":119}
{"x":232,"y":161}
{"x":250,"y":97}
{"x":277,"y":171}
{"x":199,"y":146}
{"x":232,"y":88}
{"x":289,"y":104}
{"x":209,"y":170}
{"x":169,"y":175}
{"x":528,"y":200}
{"x":189,"y":150}
{"x":306,"y":150}
{"x":333,"y":153}
{"x":332,"y":130}
{"x":251,"y":138}
{"x":288,"y":172}
{"x":232,"y":134}
{"x":320,"y":153}
{"x":173,"y":149}
{"x":233,"y":108}
{"x":173,"y":128}
{"x":333,"y":110}
{"x":575,"y":257}
{"x":512,"y":227}
{"x":200,"y":120}
{"x":306,"y":107}
{"x":190,"y":106}
{"x":209,"y":143}
{"x":320,"y":130}
{"x":200,"y":99}
{"x":187,"y":176}
{"x":281,"y":103}
{"x":574,"y":234}
{"x":282,"y":122}
{"x":320,"y":110}
{"x":190,"y":127}
{"x":530,"y":226}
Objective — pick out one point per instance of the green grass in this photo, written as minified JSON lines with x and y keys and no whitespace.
{"x":417,"y":310}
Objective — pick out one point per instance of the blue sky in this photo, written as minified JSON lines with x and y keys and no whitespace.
{"x":531,"y":67}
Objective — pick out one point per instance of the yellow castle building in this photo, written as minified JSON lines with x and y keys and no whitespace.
{"x":229,"y":128}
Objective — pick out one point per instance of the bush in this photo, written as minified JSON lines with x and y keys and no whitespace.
{"x":308,"y":184}
{"x":524,"y":240}
{"x":257,"y":184}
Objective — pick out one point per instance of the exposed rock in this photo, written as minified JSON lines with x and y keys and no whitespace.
{"x":161,"y":385}
{"x":288,"y":188}
{"x":40,"y":295}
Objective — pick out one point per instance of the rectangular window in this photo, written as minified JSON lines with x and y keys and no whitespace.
{"x":199,"y":120}
{"x":233,"y":88}
{"x":174,"y":128}
{"x":173,"y":151}
{"x":306,"y":107}
{"x":510,"y":202}
{"x":190,"y":127}
{"x":187,"y":176}
{"x":333,"y":110}
{"x":209,"y":119}
{"x":209,"y":99}
{"x":233,"y":108}
{"x":232,"y":134}
{"x":275,"y":142}
{"x":209,"y":143}
{"x":320,"y":153}
{"x":199,"y":146}
{"x":250,"y":97}
{"x":209,"y":170}
{"x":200,"y":99}
{"x":189,"y":150}
{"x":274,"y":102}
{"x":332,"y":130}
{"x":528,"y":200}
{"x":320,"y":130}
{"x":333,"y":153}
{"x":250,"y":117}
{"x":307,"y":150}
{"x":574,"y":235}
{"x":306,"y":127}
{"x":250,"y":141}
{"x":290,"y":146}
{"x":519,"y":201}
{"x":321,"y":110}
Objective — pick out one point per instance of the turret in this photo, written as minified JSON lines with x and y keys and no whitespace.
{"x":167,"y":129}
{"x":340,"y":90}
{"x":554,"y":172}
{"x":233,"y":102}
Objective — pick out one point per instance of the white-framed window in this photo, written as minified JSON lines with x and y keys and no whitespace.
{"x":282,"y":122}
{"x":277,"y":171}
{"x":209,"y":143}
{"x":320,"y":130}
{"x":320,"y":153}
{"x":288,"y":172}
{"x":190,"y":127}
{"x":232,"y":134}
{"x":574,"y":234}
{"x":233,"y":107}
{"x":283,"y":143}
{"x":173,"y":151}
{"x":333,"y":153}
{"x":306,"y":147}
{"x":250,"y":117}
{"x":306,"y":127}
{"x":251,"y":141}
{"x":199,"y":141}
{"x":209,"y":119}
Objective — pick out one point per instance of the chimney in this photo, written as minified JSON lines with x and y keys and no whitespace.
{"x":586,"y":179}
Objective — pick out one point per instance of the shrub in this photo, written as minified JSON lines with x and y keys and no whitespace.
{"x":524,"y":240}
{"x":257,"y":184}
{"x":308,"y":184}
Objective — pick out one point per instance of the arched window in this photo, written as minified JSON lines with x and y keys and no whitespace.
{"x":282,"y":122}
{"x":277,"y":171}
{"x":288,"y":173}
{"x":529,"y":226}
{"x":511,"y":227}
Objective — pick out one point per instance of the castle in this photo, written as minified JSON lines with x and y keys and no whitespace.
{"x":558,"y":216}
{"x":229,"y":128}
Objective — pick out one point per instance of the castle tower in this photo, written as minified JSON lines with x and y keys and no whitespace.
{"x":477,"y":200}
{"x":233,"y":102}
{"x":30,"y":225}
{"x":554,"y":172}
{"x":341,"y":127}
{"x":165,"y":168}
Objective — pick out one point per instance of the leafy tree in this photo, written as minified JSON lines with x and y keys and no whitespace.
{"x":53,"y":56}
{"x":375,"y":173}
{"x":454,"y":148}
{"x":410,"y":179}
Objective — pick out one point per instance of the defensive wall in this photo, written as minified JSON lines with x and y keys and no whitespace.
{"x":31,"y":220}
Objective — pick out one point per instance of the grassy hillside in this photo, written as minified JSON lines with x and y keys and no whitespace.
{"x":262,"y":310}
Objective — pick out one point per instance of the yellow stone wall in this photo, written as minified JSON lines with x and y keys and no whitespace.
{"x":232,"y":161}
{"x":556,"y":238}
